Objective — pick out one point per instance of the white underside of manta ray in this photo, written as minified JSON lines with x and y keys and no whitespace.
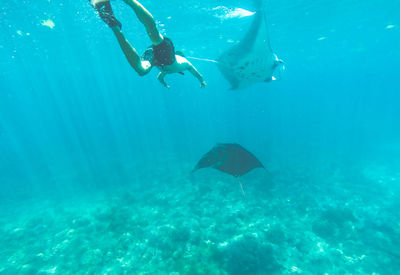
{"x":251,"y":60}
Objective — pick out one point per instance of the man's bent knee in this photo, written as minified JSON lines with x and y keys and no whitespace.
{"x":141,"y":73}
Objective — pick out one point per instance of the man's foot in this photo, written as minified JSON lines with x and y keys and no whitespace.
{"x":104,"y":9}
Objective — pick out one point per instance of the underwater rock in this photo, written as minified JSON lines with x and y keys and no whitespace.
{"x":324,"y":229}
{"x":335,"y":224}
{"x":320,"y":264}
{"x":249,"y":255}
{"x":303,"y":246}
{"x":27,"y":269}
{"x":92,"y":257}
{"x":276,"y":236}
{"x":338,"y":216}
{"x":81,"y":222}
{"x":180,"y":235}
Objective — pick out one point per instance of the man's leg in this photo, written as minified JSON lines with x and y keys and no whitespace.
{"x":104,"y":9}
{"x":147,"y":20}
{"x":130,"y":53}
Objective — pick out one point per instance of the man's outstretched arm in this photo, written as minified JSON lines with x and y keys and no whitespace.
{"x":196,"y":74}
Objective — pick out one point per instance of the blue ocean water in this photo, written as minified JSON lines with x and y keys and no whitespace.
{"x":95,"y":161}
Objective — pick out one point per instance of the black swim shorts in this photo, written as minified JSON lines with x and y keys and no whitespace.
{"x":162,"y":54}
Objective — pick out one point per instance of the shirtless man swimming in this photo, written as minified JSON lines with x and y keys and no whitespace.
{"x":161,"y":54}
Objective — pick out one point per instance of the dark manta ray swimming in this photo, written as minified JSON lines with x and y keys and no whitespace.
{"x":229,"y":158}
{"x":252,"y":59}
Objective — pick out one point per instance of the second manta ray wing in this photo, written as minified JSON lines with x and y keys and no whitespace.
{"x":252,"y":59}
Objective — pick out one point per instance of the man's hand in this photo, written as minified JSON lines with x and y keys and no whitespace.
{"x":196,"y":74}
{"x":160,"y":77}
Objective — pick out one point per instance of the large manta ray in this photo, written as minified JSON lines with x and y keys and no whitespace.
{"x":230,"y":158}
{"x":252,"y":59}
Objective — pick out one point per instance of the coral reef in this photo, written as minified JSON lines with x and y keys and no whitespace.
{"x":177,"y":225}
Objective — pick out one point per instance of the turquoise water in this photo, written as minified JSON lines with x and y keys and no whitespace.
{"x":95,"y":161}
